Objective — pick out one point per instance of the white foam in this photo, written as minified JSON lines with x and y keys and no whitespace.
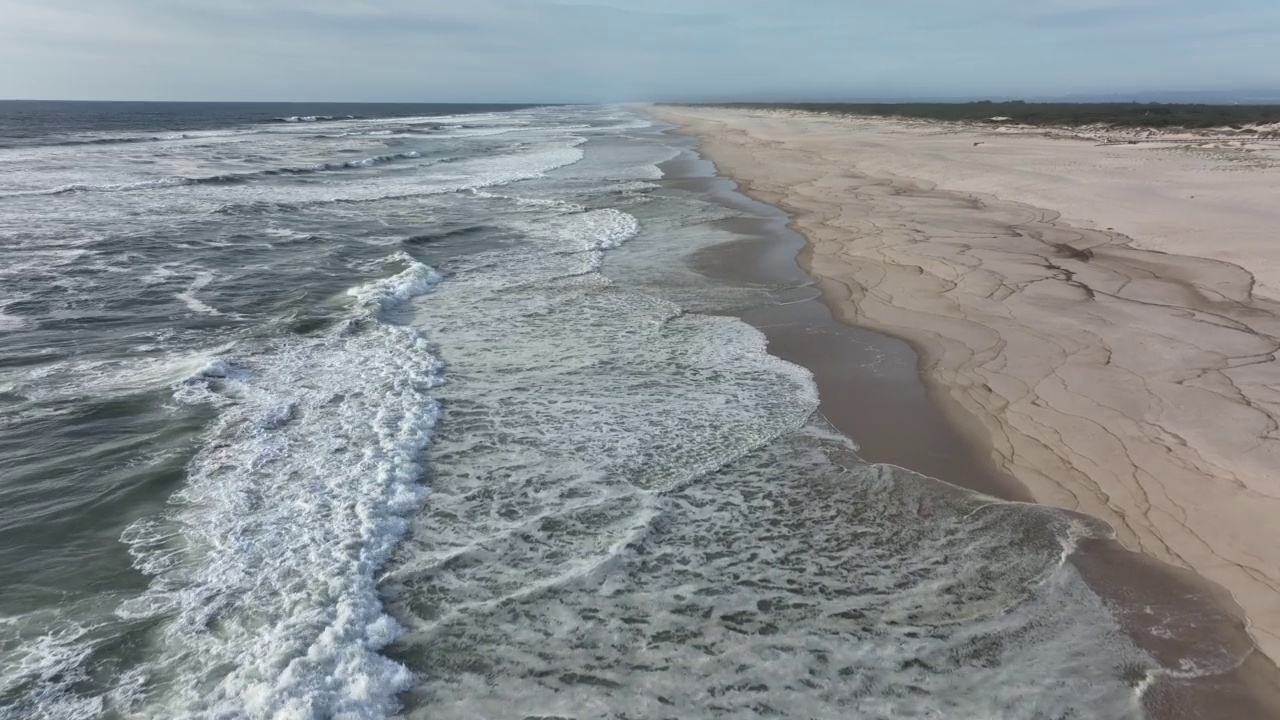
{"x":174,"y":181}
{"x":590,"y":231}
{"x":553,"y":203}
{"x":364,"y":163}
{"x":268,"y":563}
{"x":634,"y":504}
{"x":106,"y":378}
{"x":386,"y":294}
{"x":58,"y":659}
{"x":188,"y":296}
{"x":286,"y":233}
{"x":114,"y":187}
{"x":477,"y":133}
{"x":12,"y":323}
{"x":628,"y":493}
{"x":609,"y":228}
{"x":264,"y":598}
{"x":509,"y":168}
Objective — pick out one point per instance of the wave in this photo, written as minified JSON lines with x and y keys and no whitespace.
{"x":256,"y":127}
{"x":314,"y":118}
{"x":116,"y":187}
{"x":348,"y":165}
{"x":609,"y":228}
{"x":452,"y":234}
{"x":382,"y":296}
{"x":74,"y":142}
{"x":123,"y":140}
{"x":12,"y":323}
{"x":470,"y":176}
{"x":178,"y":180}
{"x":106,"y":141}
{"x":193,"y":303}
{"x":439,"y":132}
{"x":265,"y":573}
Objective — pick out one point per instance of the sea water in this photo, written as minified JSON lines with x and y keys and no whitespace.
{"x":366,"y":412}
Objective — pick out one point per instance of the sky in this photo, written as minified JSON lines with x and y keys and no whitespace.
{"x":629,"y":50}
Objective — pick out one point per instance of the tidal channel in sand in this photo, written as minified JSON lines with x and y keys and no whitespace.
{"x":872,"y":389}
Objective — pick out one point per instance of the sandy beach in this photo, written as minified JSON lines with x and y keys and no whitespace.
{"x":1101,"y":320}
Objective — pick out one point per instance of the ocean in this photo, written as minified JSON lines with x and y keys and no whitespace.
{"x":423,"y":411}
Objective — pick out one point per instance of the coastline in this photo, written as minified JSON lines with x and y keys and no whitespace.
{"x":876,"y":368}
{"x":841,"y":214}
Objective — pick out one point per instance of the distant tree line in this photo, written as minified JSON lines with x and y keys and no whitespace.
{"x":1058,"y":114}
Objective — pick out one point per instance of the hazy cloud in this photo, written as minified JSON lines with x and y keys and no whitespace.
{"x":589,"y":50}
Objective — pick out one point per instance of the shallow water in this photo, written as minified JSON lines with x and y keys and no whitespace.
{"x":427,"y":415}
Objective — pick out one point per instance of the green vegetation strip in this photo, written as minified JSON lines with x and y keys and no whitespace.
{"x":1052,"y":114}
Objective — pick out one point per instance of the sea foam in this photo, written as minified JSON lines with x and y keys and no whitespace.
{"x":266,"y":569}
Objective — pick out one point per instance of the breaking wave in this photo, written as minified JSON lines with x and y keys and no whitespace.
{"x":177,"y":181}
{"x":266,"y":570}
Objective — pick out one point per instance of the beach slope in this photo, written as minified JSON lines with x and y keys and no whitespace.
{"x":1105,"y":319}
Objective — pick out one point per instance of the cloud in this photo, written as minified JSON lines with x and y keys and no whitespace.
{"x":587,"y":50}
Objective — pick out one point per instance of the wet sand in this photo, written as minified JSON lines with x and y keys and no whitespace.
{"x":1172,"y":613}
{"x":855,"y":368}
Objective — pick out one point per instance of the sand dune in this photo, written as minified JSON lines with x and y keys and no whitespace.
{"x":1106,"y":318}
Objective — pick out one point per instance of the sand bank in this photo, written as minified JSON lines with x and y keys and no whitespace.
{"x":1100,"y":316}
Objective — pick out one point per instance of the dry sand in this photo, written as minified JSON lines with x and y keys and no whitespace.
{"x":1105,"y":319}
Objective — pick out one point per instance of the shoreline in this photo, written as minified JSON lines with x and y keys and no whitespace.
{"x":878,"y":368}
{"x":1208,"y":617}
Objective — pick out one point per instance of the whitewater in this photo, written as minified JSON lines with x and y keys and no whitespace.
{"x":425,"y":412}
